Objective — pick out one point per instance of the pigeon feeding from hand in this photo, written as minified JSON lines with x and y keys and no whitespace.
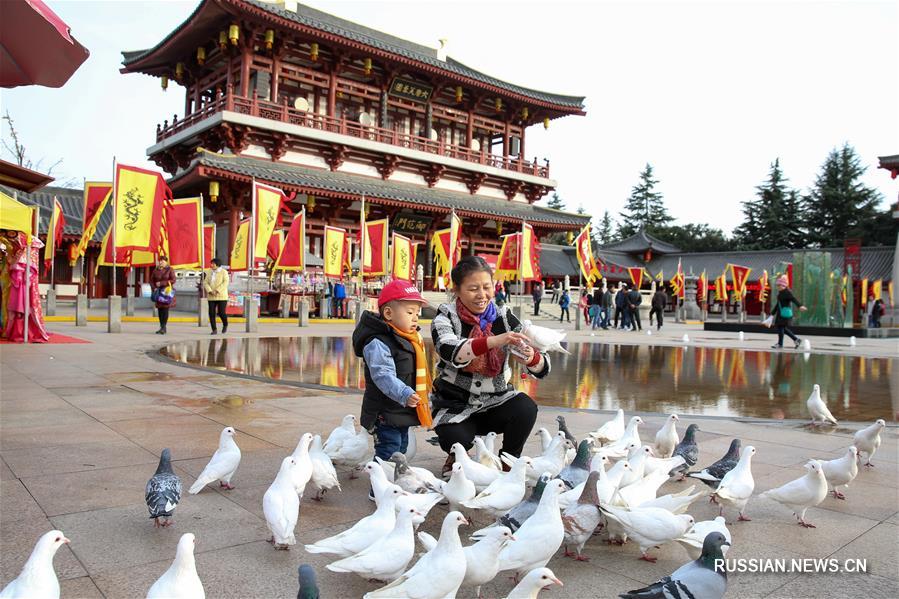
{"x":163,"y":492}
{"x":543,"y":339}
{"x":222,"y":466}
{"x":38,"y":578}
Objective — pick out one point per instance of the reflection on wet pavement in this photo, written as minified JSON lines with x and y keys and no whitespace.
{"x":689,"y":380}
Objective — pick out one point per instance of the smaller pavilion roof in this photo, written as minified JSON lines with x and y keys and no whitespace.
{"x":890,"y":163}
{"x":22,"y":178}
{"x":641,"y":241}
{"x":309,"y":180}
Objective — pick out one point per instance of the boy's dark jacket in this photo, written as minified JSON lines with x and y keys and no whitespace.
{"x":374,"y":403}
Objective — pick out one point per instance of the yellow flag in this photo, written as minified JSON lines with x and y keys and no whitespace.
{"x":268,"y":204}
{"x":15,"y":215}
{"x":530,"y":256}
{"x":877,"y":289}
{"x":335,"y":240}
{"x":239,"y":251}
{"x":140,"y":195}
{"x":402,"y":258}
{"x":864,"y":298}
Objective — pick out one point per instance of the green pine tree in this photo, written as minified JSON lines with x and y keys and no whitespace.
{"x":605,"y":233}
{"x":774,"y":218}
{"x":839,"y":206}
{"x":645,"y":208}
{"x":555,"y":202}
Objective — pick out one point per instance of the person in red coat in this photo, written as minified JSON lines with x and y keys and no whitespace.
{"x":161,"y":277}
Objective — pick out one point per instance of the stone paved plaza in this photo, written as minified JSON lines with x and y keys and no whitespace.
{"x":82,"y":427}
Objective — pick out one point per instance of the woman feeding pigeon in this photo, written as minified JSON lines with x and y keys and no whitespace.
{"x":475,"y":339}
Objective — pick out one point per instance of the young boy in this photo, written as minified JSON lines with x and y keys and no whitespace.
{"x":397,"y":375}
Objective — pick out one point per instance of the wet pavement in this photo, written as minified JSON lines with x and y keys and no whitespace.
{"x":82,"y":426}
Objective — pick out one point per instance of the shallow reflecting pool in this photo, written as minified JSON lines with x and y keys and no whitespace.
{"x":694,"y":380}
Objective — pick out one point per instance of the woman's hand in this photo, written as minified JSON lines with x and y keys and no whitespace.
{"x":527,"y":355}
{"x":803,"y":309}
{"x":413,"y":400}
{"x":510,"y":338}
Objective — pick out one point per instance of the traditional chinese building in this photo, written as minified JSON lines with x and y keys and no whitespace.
{"x":334,"y":111}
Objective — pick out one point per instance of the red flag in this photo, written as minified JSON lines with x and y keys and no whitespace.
{"x":184,"y":231}
{"x":636,"y":274}
{"x":739,"y":276}
{"x":208,"y":244}
{"x":681,"y":281}
{"x":374,"y":256}
{"x":293,"y":253}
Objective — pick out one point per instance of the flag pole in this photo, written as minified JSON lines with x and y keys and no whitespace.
{"x":35,"y":211}
{"x":251,"y":248}
{"x":81,"y":281}
{"x":361,"y":252}
{"x":53,"y":255}
{"x":115,"y":197}
{"x":521,"y":264}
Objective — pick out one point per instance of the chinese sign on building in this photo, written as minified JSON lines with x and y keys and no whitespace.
{"x":410,"y":90}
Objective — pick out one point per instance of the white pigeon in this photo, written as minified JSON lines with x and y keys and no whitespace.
{"x":867,"y":440}
{"x":38,"y":578}
{"x":597,"y":464}
{"x":581,"y":519}
{"x":641,"y":491}
{"x":348,"y":450}
{"x":302,"y":470}
{"x":377,"y":478}
{"x":685,"y":338}
{"x":423,"y":504}
{"x":654,"y":464}
{"x":545,"y":438}
{"x":692,"y":541}
{"x":852,"y":341}
{"x":482,"y":558}
{"x":551,"y":461}
{"x":539,"y":537}
{"x":281,"y":506}
{"x":737,"y":485}
{"x":490,"y":442}
{"x":841,"y":471}
{"x":631,"y":434}
{"x":364,"y":532}
{"x":346,"y":430}
{"x":439,"y":572}
{"x":458,"y":489}
{"x":611,"y":431}
{"x":613,"y":480}
{"x":542,"y":338}
{"x":181,"y":580}
{"x":806,"y":344}
{"x":477,"y":473}
{"x":484,"y":456}
{"x":418,"y":479}
{"x":649,"y":526}
{"x":817,"y":408}
{"x":802,"y":493}
{"x":222,"y":466}
{"x":388,"y":556}
{"x":412,"y":445}
{"x":534,"y":581}
{"x":667,"y":437}
{"x":649,"y":332}
{"x":636,"y":457}
{"x":324,"y":476}
{"x":676,"y":503}
{"x":505,"y":492}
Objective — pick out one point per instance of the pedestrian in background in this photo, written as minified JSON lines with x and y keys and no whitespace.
{"x":634,"y":299}
{"x":620,"y":304}
{"x":659,"y":301}
{"x":163,"y":281}
{"x":216,"y":286}
{"x":537,"y":294}
{"x":339,"y":300}
{"x":564,"y":302}
{"x":782,"y":311}
{"x":606,"y":308}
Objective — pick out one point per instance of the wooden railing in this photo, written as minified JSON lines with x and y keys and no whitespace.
{"x":287,"y":114}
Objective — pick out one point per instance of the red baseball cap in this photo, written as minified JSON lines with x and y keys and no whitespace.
{"x":400,"y":290}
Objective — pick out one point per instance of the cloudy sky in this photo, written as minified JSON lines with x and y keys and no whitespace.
{"x":709,"y":93}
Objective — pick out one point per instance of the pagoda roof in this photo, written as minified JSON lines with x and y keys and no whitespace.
{"x":560,"y":260}
{"x":341,"y":31}
{"x":397,"y":193}
{"x":890,"y":163}
{"x":639,"y":242}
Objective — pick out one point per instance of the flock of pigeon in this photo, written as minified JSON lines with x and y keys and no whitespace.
{"x":607,"y":482}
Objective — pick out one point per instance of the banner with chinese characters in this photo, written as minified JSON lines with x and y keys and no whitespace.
{"x":267,"y":207}
{"x":403,"y":258}
{"x":240,"y":250}
{"x":335,"y":251}
{"x":585,"y":259}
{"x":402,"y":87}
{"x":141,"y":196}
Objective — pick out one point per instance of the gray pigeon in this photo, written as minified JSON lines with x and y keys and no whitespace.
{"x":578,"y":470}
{"x":698,"y":578}
{"x":713,"y":474}
{"x":564,"y":428}
{"x":308,"y":587}
{"x":687,"y":449}
{"x":515,"y":517}
{"x":163,"y":491}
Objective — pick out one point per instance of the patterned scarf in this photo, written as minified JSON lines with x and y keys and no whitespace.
{"x":491,"y":363}
{"x":422,"y":375}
